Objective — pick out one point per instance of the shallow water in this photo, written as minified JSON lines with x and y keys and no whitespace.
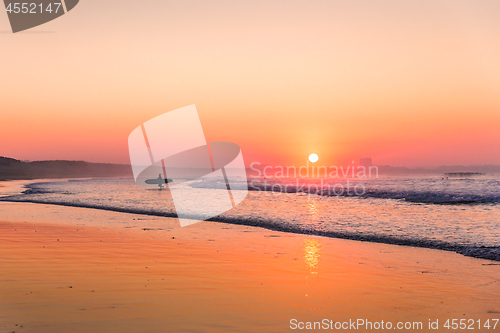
{"x":456,"y":214}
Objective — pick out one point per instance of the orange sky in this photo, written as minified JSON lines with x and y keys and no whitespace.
{"x":408,"y":83}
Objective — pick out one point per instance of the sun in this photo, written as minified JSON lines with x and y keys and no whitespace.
{"x":313,"y":158}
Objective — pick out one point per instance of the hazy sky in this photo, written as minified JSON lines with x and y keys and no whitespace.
{"x":404,"y":82}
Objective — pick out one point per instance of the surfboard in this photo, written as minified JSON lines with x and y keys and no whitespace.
{"x":158,"y":181}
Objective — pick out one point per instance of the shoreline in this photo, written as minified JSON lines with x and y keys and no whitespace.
{"x":480,"y":252}
{"x":63,"y":271}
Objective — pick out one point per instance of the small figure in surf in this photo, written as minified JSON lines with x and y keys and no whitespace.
{"x":161,"y":181}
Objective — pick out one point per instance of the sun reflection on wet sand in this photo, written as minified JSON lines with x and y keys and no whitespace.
{"x":312,"y":252}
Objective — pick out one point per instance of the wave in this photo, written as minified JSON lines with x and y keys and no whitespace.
{"x":483,"y":252}
{"x":419,"y":197}
{"x":422,"y":196}
{"x":439,"y":198}
{"x":343,"y":190}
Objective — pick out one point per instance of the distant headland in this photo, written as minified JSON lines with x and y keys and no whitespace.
{"x":12,"y":169}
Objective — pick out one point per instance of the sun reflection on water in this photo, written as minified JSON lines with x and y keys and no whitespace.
{"x":313,"y":210}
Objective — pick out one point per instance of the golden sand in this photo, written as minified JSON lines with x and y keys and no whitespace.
{"x":62,"y":272}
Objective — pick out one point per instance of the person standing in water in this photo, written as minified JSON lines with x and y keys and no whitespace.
{"x":161,"y":181}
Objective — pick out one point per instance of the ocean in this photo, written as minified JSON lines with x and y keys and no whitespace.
{"x":460,"y":213}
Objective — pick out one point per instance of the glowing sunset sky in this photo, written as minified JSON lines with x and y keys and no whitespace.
{"x":408,"y":83}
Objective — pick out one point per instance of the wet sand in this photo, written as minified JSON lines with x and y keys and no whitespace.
{"x":62,"y":271}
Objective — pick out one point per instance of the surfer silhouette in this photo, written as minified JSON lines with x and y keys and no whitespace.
{"x":160,"y":181}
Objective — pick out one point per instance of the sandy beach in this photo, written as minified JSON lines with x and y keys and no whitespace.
{"x":335,"y":165}
{"x":63,"y":272}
